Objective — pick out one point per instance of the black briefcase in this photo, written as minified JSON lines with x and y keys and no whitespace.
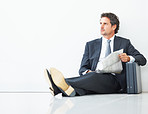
{"x":133,"y":77}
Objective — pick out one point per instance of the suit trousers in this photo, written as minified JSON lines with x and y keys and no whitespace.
{"x":94,"y":83}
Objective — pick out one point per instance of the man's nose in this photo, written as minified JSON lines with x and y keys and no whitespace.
{"x":102,"y":26}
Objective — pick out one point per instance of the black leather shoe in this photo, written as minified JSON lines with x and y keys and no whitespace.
{"x":52,"y":87}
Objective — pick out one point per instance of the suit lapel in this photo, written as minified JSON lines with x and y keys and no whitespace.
{"x":117,"y":43}
{"x":98,"y":45}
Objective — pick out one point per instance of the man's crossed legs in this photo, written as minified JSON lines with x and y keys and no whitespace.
{"x":90,"y":83}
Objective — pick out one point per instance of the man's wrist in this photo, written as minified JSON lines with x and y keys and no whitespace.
{"x":129,"y":59}
{"x":132,"y":59}
{"x":88,"y":71}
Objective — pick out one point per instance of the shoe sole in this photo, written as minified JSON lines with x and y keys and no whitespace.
{"x":49,"y":82}
{"x":59,"y":80}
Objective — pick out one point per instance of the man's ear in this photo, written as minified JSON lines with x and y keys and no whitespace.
{"x":114,"y":27}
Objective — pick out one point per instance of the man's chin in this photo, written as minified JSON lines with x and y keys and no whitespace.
{"x":102,"y":32}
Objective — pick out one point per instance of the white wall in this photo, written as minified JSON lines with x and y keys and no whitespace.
{"x":39,"y":34}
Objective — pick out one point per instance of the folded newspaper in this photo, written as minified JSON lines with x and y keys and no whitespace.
{"x":111,"y":64}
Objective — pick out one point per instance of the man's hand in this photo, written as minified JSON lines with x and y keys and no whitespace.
{"x":124,"y":57}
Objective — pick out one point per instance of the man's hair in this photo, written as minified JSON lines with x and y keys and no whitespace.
{"x":114,"y":20}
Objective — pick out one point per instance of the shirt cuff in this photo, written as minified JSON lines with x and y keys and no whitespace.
{"x":132,"y":59}
{"x":84,"y":72}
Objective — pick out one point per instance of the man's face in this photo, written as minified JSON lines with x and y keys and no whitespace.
{"x":106,"y":28}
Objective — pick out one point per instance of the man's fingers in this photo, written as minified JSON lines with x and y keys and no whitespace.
{"x":123,"y":54}
{"x":124,"y":57}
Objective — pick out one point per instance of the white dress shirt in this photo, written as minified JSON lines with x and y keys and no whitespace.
{"x":103,"y":50}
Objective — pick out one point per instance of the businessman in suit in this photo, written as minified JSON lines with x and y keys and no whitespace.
{"x":90,"y":81}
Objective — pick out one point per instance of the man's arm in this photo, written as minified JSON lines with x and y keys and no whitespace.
{"x":85,"y":65}
{"x":131,"y":51}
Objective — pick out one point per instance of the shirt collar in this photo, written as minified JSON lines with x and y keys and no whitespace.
{"x":105,"y":40}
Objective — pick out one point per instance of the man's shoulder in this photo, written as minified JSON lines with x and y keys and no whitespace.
{"x":94,"y":41}
{"x":100,"y":39}
{"x":122,"y":38}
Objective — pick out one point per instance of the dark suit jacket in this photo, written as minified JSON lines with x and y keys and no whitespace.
{"x":92,"y":54}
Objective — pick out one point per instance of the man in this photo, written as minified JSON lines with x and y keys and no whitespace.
{"x":89,"y":81}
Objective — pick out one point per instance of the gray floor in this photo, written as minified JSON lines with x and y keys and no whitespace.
{"x":44,"y":103}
